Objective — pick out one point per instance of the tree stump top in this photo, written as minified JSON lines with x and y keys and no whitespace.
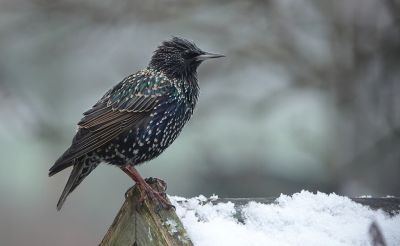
{"x":145,"y":224}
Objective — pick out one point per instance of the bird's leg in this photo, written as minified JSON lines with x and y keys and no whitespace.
{"x":132,"y":177}
{"x":150,"y":181}
{"x":129,"y":174}
{"x":155,"y":196}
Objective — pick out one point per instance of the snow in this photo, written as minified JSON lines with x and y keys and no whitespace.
{"x":365,"y":196}
{"x":172,"y":226}
{"x":301,"y":219}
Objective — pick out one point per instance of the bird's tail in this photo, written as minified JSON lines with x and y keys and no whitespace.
{"x":82,"y":167}
{"x":60,"y":165}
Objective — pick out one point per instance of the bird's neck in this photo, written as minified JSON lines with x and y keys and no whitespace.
{"x":188,"y":82}
{"x":191,"y":89}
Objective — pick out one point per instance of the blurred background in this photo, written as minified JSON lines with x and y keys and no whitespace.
{"x":306,"y":98}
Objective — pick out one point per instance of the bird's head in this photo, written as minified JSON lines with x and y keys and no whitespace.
{"x":179,"y":58}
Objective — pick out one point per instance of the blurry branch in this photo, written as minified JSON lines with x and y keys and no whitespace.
{"x":393,"y":6}
{"x":366,"y":93}
{"x":382,"y":153}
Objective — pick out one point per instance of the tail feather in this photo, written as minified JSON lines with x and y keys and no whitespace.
{"x":60,"y":165}
{"x":73,"y":181}
{"x":82,"y":167}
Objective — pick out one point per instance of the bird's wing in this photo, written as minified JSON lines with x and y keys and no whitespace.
{"x":118,"y":110}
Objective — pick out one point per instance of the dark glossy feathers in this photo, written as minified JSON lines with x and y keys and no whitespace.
{"x":140,"y":117}
{"x":119,"y":109}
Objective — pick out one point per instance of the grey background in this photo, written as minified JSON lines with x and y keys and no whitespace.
{"x":306,"y":98}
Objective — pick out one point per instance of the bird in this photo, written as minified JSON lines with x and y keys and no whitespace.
{"x":138,"y":118}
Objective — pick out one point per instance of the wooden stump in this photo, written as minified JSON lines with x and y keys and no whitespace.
{"x":145,"y":224}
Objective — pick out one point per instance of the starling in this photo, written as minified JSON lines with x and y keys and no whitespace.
{"x":136,"y":120}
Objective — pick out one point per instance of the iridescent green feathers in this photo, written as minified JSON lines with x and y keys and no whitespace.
{"x":140,"y":96}
{"x":118,"y":110}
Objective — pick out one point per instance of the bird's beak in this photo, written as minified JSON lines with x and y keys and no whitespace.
{"x":208,"y":55}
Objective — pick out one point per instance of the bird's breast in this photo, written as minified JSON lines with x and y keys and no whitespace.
{"x":151,"y":137}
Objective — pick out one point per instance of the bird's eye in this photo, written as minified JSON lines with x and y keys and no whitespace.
{"x":188,"y":54}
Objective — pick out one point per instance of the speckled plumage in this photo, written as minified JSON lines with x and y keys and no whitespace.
{"x":140,"y":117}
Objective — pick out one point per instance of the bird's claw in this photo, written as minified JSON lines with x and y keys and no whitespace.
{"x":161,"y":206}
{"x":159,"y":198}
{"x":127,"y":192}
{"x":161,"y":182}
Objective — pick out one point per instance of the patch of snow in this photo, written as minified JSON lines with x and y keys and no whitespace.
{"x":178,"y":198}
{"x":214,"y":197}
{"x":183,"y":239}
{"x":301,"y":219}
{"x":365,"y":196}
{"x":172,"y":226}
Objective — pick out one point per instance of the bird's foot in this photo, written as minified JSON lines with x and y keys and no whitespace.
{"x":127,"y":192}
{"x":159,"y":198}
{"x":161,"y":182}
{"x":151,"y":181}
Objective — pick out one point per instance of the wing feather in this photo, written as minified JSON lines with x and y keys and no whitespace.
{"x":89,"y":139}
{"x":121,"y":108}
